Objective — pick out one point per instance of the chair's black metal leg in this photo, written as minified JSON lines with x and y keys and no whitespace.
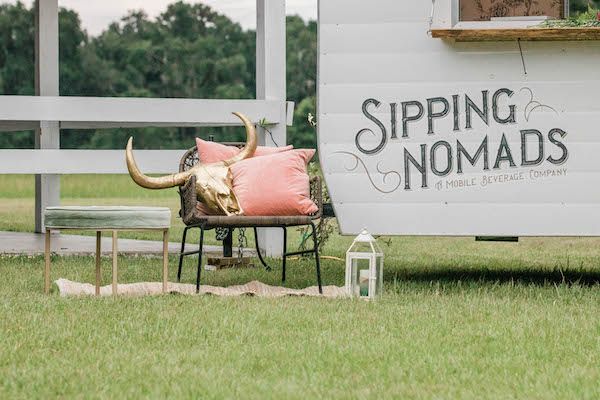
{"x":284,"y":256}
{"x":228,"y":244}
{"x":317,"y":259}
{"x":260,"y":257}
{"x":181,"y":254}
{"x":199,"y":259}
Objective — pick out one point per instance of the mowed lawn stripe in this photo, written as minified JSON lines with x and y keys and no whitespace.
{"x":459,"y":319}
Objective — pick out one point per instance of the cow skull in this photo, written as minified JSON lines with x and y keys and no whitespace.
{"x":214,"y":182}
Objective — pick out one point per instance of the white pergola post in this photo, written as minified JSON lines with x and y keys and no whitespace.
{"x":47,"y":135}
{"x":271,"y":85}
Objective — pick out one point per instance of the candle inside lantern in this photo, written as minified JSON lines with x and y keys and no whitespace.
{"x":363,"y":282}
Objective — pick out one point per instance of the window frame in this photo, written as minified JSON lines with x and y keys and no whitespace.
{"x":477,"y":31}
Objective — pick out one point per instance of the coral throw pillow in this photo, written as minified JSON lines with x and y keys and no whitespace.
{"x":211,"y":152}
{"x":274,"y":185}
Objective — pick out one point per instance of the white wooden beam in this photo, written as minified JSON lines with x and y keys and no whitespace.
{"x":92,"y":112}
{"x":47,"y":136}
{"x":95,"y":125}
{"x":87,"y":161}
{"x":271,"y":60}
{"x":271,"y":85}
{"x":290,"y":107}
{"x":46,"y":48}
{"x":16,"y":126}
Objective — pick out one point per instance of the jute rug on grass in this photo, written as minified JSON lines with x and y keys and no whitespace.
{"x":69,"y":288}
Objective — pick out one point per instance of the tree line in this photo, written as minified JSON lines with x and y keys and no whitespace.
{"x":188,"y":51}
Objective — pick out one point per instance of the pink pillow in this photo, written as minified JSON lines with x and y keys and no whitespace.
{"x":274,"y":185}
{"x":211,"y":152}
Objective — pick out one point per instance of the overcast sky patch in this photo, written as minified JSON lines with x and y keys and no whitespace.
{"x":97,"y":15}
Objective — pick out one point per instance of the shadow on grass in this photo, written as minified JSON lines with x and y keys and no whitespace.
{"x":524,"y":276}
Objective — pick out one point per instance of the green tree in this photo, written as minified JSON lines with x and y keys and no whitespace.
{"x":302,"y":133}
{"x":17,"y":49}
{"x":302,"y":78}
{"x":188,"y":51}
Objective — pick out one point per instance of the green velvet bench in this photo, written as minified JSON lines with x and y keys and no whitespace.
{"x":107,"y":219}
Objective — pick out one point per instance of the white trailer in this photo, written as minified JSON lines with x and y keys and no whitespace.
{"x":421,"y":135}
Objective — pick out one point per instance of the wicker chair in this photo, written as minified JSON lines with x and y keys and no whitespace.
{"x":193,"y":218}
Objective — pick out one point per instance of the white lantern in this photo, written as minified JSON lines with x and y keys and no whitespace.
{"x":364,"y":267}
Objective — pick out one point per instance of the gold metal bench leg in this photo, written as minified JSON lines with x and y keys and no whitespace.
{"x":98,"y":269}
{"x":114,"y":263}
{"x":165,"y":260}
{"x":47,"y":266}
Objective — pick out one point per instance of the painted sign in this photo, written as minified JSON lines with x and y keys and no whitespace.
{"x":422,"y":137}
{"x":444,"y":155}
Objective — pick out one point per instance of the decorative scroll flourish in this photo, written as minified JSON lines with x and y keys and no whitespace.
{"x":534,"y":105}
{"x":385,"y":174}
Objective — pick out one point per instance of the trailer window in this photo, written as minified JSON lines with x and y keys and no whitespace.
{"x":485,"y":10}
{"x":497,"y":20}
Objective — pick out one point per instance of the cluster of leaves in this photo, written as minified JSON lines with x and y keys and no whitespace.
{"x":188,"y":51}
{"x":589,"y":18}
{"x":577,"y":7}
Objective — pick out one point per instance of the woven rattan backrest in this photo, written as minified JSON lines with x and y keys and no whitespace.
{"x":190,"y":158}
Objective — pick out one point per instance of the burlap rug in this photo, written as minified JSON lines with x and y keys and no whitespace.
{"x":69,"y":288}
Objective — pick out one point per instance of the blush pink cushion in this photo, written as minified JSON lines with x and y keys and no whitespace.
{"x":274,"y":185}
{"x":211,"y":152}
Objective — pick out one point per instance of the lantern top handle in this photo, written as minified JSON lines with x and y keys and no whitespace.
{"x":364,"y":237}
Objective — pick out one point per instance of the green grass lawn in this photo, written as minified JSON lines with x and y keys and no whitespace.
{"x":459,"y":319}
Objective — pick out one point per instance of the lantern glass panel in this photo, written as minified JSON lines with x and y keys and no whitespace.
{"x":360,"y":277}
{"x":363,"y":247}
{"x":379,"y":275}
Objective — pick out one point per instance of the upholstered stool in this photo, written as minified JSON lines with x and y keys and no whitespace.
{"x":107,"y":219}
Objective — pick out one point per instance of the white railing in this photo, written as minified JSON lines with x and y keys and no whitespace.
{"x":101,"y":112}
{"x":26,"y":112}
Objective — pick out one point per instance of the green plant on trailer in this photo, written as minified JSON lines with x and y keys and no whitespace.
{"x":586,"y":19}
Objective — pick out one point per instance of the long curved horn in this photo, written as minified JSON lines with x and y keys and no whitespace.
{"x":250,"y":148}
{"x":148,"y":182}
